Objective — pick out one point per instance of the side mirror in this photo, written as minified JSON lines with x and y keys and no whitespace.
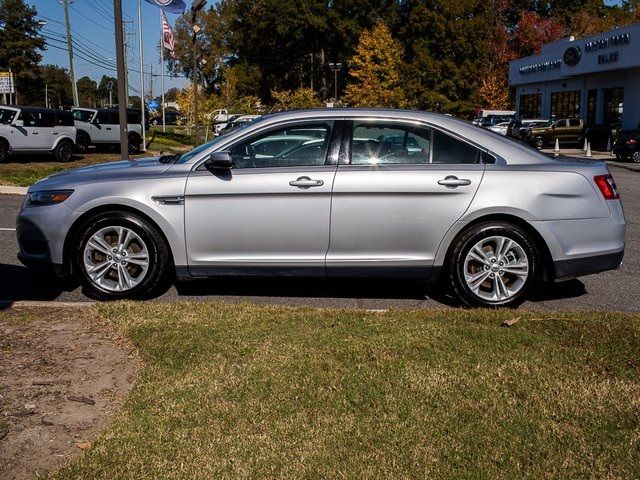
{"x":18,"y":123}
{"x":219,"y":161}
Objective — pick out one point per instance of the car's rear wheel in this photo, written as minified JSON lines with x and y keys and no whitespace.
{"x":120,"y":255}
{"x":635,"y":158}
{"x":539,"y":142}
{"x":64,"y":151}
{"x":82,"y":142}
{"x":494,"y":264}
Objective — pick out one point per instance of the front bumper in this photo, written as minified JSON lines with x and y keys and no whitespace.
{"x":41,"y":234}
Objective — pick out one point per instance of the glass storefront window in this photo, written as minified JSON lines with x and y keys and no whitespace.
{"x":531,"y":105}
{"x":613,"y":105}
{"x":565,"y":104}
{"x":592,"y":102}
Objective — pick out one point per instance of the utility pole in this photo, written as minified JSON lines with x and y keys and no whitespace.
{"x":72,"y":68}
{"x":46,"y":95}
{"x":196,"y":6}
{"x":311,"y":58}
{"x":122,"y":90}
{"x":126,"y":35}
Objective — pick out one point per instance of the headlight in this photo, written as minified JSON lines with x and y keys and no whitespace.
{"x":47,"y":197}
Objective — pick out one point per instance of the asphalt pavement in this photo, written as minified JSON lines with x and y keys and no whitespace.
{"x":614,"y":290}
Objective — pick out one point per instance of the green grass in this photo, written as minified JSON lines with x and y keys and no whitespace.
{"x":241,"y":391}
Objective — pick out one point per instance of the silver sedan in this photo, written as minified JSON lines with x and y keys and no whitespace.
{"x":335,"y":192}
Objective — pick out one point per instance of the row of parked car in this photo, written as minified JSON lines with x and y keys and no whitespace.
{"x":543,"y":133}
{"x":30,"y":130}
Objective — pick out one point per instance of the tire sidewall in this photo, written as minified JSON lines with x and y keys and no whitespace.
{"x":134,"y":145}
{"x":59,"y":149}
{"x":141,"y":228}
{"x":539,"y":142}
{"x":4,"y":153}
{"x":82,"y":143}
{"x":471,"y":238}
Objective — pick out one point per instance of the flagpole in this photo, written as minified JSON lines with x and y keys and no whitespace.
{"x":164,"y":126}
{"x":144,"y":127}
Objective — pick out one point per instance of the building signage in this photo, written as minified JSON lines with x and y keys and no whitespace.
{"x":608,"y":42}
{"x":540,"y":67}
{"x":572,"y":56}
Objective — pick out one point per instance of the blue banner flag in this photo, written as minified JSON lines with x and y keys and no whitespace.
{"x":172,"y":6}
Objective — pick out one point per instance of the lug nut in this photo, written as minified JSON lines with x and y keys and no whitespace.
{"x":109,"y":257}
{"x":493,"y":275}
{"x":500,"y":272}
{"x":493,"y":260}
{"x":501,"y":264}
{"x":124,"y":253}
{"x":115,"y":250}
{"x":123,"y":262}
{"x":486,"y":267}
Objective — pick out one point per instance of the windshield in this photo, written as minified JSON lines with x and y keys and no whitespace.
{"x":185,"y":157}
{"x":6,"y":116}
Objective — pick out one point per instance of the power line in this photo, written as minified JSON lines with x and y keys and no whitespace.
{"x":93,"y":22}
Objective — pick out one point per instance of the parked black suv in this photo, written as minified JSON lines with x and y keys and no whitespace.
{"x":627,"y":146}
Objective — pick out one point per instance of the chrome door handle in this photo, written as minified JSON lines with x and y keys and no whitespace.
{"x":306,"y":182}
{"x":451,"y":181}
{"x":34,"y":133}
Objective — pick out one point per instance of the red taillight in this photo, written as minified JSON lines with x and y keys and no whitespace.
{"x":631,"y":141}
{"x":607,"y":186}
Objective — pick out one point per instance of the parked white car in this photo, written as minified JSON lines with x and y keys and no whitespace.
{"x":101,"y":126}
{"x":26,"y":130}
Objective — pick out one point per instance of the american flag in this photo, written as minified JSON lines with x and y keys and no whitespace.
{"x":167,"y":36}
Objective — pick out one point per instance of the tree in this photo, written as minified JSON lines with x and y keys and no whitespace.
{"x":171,"y":94}
{"x":103,"y":90}
{"x":300,"y":99}
{"x":56,"y":81}
{"x":375,"y":70}
{"x":20,"y":46}
{"x":87,"y":92}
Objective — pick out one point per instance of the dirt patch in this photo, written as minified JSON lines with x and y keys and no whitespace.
{"x":63,"y":375}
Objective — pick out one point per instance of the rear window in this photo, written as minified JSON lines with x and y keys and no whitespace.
{"x":574,"y":122}
{"x":63,"y":119}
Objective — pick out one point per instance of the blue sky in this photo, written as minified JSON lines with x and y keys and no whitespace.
{"x":93,"y":30}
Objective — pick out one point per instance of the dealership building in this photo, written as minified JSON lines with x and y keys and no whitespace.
{"x":595,"y":78}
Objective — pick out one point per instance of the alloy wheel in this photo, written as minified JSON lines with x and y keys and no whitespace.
{"x":496,"y":268}
{"x":116,"y":259}
{"x":636,"y":157}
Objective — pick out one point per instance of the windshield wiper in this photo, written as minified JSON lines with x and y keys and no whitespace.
{"x":169,"y":158}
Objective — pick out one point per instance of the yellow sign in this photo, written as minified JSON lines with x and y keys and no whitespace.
{"x":5,"y":74}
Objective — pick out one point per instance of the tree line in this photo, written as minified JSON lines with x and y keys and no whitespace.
{"x":441,"y":55}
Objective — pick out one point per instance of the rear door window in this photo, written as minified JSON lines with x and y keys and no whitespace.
{"x":379,"y":144}
{"x":450,"y":150}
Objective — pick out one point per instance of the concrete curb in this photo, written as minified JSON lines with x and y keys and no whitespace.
{"x":11,"y":190}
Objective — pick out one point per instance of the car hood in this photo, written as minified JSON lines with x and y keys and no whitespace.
{"x":122,"y":170}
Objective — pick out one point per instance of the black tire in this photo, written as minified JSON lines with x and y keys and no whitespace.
{"x":539,"y":142}
{"x":468,"y":240}
{"x":64,"y":151}
{"x":158,"y":273}
{"x":4,"y":152}
{"x":82,"y":142}
{"x":635,"y":156}
{"x":134,"y":144}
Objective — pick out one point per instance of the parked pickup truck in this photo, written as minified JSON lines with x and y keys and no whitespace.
{"x":101,"y":126}
{"x":565,"y":130}
{"x":28,"y":130}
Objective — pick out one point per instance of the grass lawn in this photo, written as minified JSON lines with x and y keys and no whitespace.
{"x":24,"y":170}
{"x":243,"y":391}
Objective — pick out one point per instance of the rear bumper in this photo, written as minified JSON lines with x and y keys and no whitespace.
{"x":577,"y":267}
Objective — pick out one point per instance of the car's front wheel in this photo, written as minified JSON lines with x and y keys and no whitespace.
{"x":493,"y":264}
{"x":82,"y":142}
{"x":120,"y":255}
{"x":4,"y":152}
{"x":134,"y":144}
{"x":539,"y":142}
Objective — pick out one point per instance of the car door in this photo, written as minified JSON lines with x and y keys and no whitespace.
{"x":269,"y":214}
{"x":391,"y":205}
{"x":560,"y":131}
{"x":574,"y":130}
{"x":101,"y":133}
{"x":32,"y":134}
